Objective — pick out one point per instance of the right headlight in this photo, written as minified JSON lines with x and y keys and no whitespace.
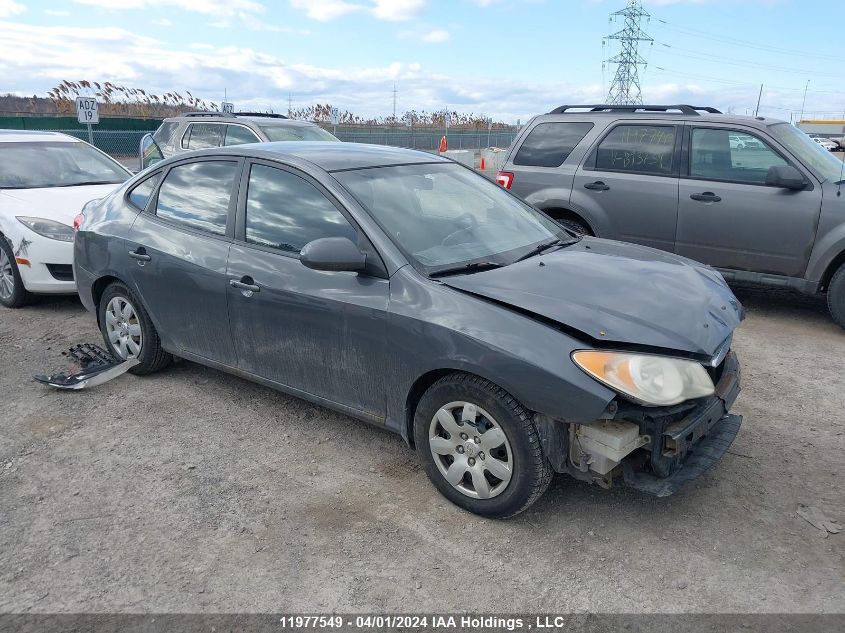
{"x":647,"y":378}
{"x":48,"y":228}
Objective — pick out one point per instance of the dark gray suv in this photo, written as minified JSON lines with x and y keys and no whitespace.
{"x":752,"y":196}
{"x":411,"y":292}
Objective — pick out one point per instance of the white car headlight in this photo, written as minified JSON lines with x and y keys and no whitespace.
{"x":646,"y":378}
{"x":48,"y":228}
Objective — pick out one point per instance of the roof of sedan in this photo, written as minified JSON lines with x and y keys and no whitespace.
{"x":333,"y":156}
{"x":34,"y":136}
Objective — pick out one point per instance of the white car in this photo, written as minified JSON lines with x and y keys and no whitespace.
{"x":829,"y":145}
{"x":45,"y":180}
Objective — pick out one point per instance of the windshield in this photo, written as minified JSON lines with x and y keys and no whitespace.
{"x":444,"y":214}
{"x":825,"y":164}
{"x":59,"y":164}
{"x":297,"y":133}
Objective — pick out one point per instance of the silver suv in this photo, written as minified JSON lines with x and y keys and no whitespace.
{"x":753,"y":197}
{"x":204,"y":130}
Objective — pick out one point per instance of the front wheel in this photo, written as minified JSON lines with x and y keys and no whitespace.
{"x":836,"y":296}
{"x":13,"y":294}
{"x":480,"y":447}
{"x":128,"y":331}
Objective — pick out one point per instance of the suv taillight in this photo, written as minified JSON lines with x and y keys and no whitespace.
{"x":78,"y":220}
{"x":505,"y":178}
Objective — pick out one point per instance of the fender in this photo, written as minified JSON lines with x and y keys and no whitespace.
{"x":825,"y":251}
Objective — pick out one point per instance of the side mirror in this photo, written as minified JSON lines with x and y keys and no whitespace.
{"x":786,"y":177}
{"x":149,"y":152}
{"x":333,"y":254}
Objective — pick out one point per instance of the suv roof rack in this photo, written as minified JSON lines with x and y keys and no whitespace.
{"x":267,"y":114}
{"x":206,"y":113}
{"x":682,"y":108}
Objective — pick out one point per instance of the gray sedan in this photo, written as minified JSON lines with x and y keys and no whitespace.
{"x":408,"y":291}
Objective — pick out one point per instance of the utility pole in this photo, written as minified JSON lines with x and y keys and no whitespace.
{"x":804,"y":101}
{"x":625,"y":87}
{"x":394,"y":104}
{"x":290,"y":106}
{"x":759,"y":96}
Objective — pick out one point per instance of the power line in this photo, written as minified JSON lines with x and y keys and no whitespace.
{"x":625,"y":87}
{"x":745,"y":43}
{"x":691,"y":54}
{"x":687,"y":75}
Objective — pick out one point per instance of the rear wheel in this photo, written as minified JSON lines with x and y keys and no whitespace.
{"x":836,"y":296}
{"x":128,"y":331}
{"x":13,"y":294}
{"x":480,"y":447}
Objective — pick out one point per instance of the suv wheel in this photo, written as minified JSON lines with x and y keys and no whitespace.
{"x":128,"y":331}
{"x":836,"y":296}
{"x":576,"y":226}
{"x":480,"y":447}
{"x":12,"y":291}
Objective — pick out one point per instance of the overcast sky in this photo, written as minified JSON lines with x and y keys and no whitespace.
{"x":508,"y":59}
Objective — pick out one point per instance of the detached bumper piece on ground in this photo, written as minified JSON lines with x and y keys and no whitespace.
{"x":92,"y":365}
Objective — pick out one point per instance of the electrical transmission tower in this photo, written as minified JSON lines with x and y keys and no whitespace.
{"x":625,"y":88}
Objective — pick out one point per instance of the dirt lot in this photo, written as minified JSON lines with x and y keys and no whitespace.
{"x":196,"y":491}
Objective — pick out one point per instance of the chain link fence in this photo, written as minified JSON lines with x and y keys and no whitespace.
{"x":123,"y":144}
{"x":120,"y":144}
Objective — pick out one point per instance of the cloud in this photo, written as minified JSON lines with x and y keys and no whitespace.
{"x":389,"y":10}
{"x":436,"y":36}
{"x":216,"y":8}
{"x":10,"y":7}
{"x":56,"y":12}
{"x":162,"y":22}
{"x":325,"y":10}
{"x":33,"y":59}
{"x":397,"y":10}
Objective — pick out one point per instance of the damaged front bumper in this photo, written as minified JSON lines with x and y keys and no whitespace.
{"x":653,"y":449}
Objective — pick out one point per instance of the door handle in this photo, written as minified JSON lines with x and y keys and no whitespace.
{"x":140,"y":254}
{"x":597,"y":186}
{"x":707,"y":196}
{"x":242,"y":285}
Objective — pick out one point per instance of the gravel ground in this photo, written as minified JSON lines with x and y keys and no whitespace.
{"x":197,"y":491}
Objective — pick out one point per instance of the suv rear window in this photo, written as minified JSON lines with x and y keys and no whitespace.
{"x":642,"y":149}
{"x":164,"y":134}
{"x":548,"y":144}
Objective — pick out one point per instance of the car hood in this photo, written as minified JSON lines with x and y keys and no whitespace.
{"x":61,"y":204}
{"x":618,"y":293}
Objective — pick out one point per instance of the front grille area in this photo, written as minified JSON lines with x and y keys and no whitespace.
{"x":61,"y":272}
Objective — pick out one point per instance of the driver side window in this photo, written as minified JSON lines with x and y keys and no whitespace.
{"x":731,"y":156}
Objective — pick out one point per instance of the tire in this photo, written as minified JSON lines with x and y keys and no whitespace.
{"x":13,"y":294}
{"x":576,"y":226}
{"x":136,"y":335}
{"x":484,"y":487}
{"x":836,"y":296}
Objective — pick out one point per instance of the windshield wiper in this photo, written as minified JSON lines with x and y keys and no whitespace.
{"x":474,"y":267}
{"x":88,"y":182}
{"x":542,"y":247}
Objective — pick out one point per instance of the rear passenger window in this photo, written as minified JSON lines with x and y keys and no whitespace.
{"x":286,"y":212}
{"x":140,"y":193}
{"x":197,"y":195}
{"x":644,"y":149}
{"x":548,"y":144}
{"x":203,"y":136}
{"x":238,"y":135}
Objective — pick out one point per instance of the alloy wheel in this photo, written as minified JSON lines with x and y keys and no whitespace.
{"x":7,"y":275}
{"x":123,"y":328}
{"x":470,"y":450}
